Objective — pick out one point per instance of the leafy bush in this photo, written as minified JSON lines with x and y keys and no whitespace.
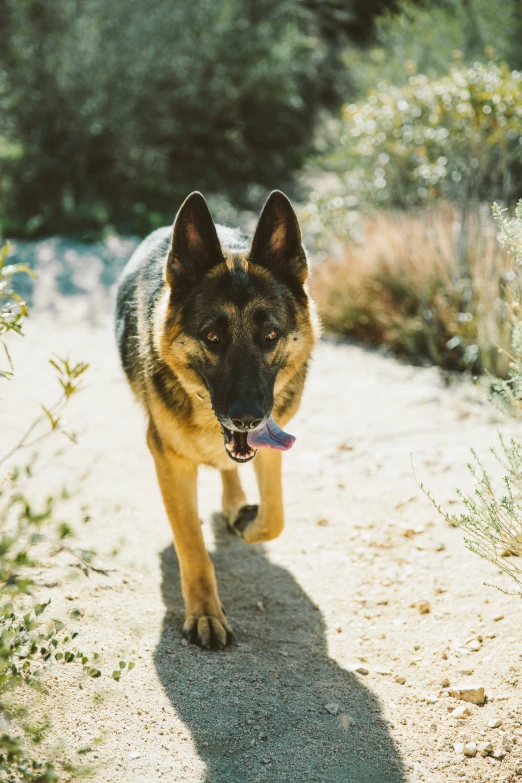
{"x":507,"y":393}
{"x":26,"y":639}
{"x":425,"y":37}
{"x":401,"y":287}
{"x":458,"y":137}
{"x":492,"y":520}
{"x":13,"y":309}
{"x":112,"y":112}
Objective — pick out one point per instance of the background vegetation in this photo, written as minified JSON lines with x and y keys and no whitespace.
{"x":401,"y":223}
{"x":111,"y":113}
{"x":395,"y":124}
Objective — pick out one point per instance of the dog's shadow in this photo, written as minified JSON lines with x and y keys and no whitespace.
{"x":257,"y":711}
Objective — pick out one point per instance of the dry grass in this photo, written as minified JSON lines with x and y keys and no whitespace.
{"x":428,"y":285}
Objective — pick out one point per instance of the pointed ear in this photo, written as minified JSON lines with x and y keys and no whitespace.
{"x":195,"y":245}
{"x":277,"y":240}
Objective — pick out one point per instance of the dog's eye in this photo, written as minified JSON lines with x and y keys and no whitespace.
{"x":212,"y":337}
{"x":271,"y":335}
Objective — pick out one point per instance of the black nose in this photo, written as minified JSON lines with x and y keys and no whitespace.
{"x":246,"y":416}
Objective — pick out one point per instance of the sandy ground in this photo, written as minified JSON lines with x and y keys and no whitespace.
{"x":336,"y":593}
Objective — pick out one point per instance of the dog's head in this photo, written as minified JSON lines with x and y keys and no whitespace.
{"x":238,"y":323}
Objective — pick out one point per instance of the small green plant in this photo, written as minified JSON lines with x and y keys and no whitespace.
{"x":492,"y":520}
{"x":507,"y":393}
{"x":13,"y":309}
{"x":28,"y":639}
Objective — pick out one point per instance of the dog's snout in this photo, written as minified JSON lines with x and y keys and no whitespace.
{"x":244,"y":425}
{"x":246,"y":415}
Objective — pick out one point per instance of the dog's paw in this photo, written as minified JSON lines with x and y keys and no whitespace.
{"x":254,"y":528}
{"x":207,"y":631}
{"x":244,"y":518}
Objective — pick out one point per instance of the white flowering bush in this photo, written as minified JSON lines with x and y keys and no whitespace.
{"x":458,"y":137}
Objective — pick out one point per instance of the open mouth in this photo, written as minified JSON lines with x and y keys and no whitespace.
{"x":236,"y":445}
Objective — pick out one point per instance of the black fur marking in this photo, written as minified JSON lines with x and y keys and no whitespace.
{"x":169,"y":390}
{"x":246,"y":515}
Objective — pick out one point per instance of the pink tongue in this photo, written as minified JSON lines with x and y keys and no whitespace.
{"x":271,"y":436}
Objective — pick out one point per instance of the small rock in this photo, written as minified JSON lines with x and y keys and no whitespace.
{"x":475,"y":645}
{"x":469,"y":693}
{"x":345,"y":721}
{"x":470,"y":750}
{"x":383,"y":671}
{"x":260,"y":606}
{"x":518,"y":770}
{"x":184,"y":643}
{"x":460,"y":712}
{"x":424,"y":607}
{"x":485,"y":748}
{"x":466,"y":672}
{"x":362,"y":670}
{"x":494,"y":723}
{"x":134,"y":755}
{"x":338,"y":628}
{"x":458,"y":747}
{"x":445,"y":683}
{"x":498,"y":617}
{"x":432,"y":699}
{"x":333,"y":709}
{"x":499,"y":753}
{"x":474,"y":637}
{"x":263,"y":737}
{"x":400,"y":679}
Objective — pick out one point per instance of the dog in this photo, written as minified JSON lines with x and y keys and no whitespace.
{"x":215,"y":333}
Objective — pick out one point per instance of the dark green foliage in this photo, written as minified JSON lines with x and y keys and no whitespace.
{"x":111,"y":112}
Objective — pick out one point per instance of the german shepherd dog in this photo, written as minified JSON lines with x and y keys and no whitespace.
{"x":214,"y":334}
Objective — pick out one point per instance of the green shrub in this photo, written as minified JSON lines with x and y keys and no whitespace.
{"x":28,"y":640}
{"x":457,"y":138}
{"x":492,"y":518}
{"x":507,"y":392}
{"x":425,"y":37}
{"x":112,"y":112}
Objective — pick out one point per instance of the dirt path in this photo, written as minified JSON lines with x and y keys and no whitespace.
{"x":332,"y":595}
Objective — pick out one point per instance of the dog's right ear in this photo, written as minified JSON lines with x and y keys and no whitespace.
{"x":195,"y":245}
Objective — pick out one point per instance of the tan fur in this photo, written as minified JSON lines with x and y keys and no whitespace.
{"x":184,"y":431}
{"x":184,"y":447}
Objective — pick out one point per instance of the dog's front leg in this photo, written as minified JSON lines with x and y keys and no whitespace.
{"x":205,"y":621}
{"x":266,"y":522}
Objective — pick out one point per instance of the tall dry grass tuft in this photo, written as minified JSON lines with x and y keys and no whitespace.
{"x":429,"y":285}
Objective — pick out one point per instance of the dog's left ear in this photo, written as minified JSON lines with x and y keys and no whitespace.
{"x":195,"y":245}
{"x":277,"y":240}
